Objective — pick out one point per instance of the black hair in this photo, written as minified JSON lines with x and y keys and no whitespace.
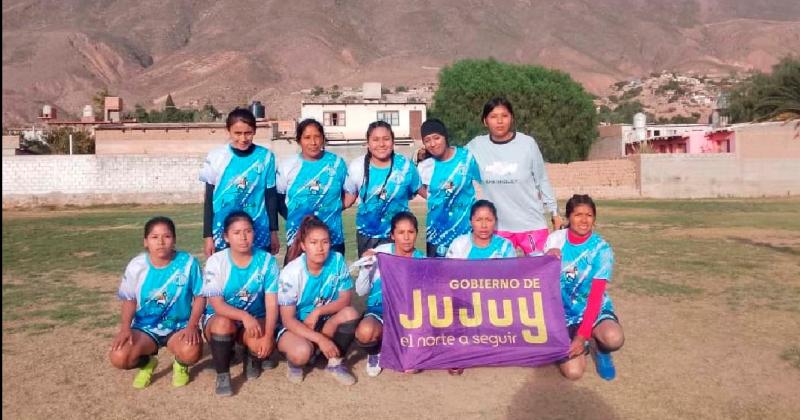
{"x":241,"y":114}
{"x":368,"y":157}
{"x":483,"y":204}
{"x":494,"y":103}
{"x":305,"y":123}
{"x":309,"y":223}
{"x":159,"y":220}
{"x":580,"y":200}
{"x":236,"y":216}
{"x":404,"y":215}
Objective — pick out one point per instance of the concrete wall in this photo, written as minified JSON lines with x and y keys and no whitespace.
{"x":10,"y":145}
{"x":716,"y":175}
{"x":599,"y":178}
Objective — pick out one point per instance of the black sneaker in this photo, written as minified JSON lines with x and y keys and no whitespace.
{"x":252,"y":367}
{"x":223,"y":387}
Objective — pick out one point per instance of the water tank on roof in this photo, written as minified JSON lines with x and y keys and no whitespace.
{"x":88,"y":111}
{"x":47,"y":110}
{"x":258,"y":110}
{"x":640,"y":126}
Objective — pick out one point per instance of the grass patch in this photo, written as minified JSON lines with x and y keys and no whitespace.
{"x":651,"y":286}
{"x":792,"y":355}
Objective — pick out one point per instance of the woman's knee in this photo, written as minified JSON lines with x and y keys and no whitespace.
{"x":368,"y":331}
{"x":346,"y":314}
{"x":120,"y":359}
{"x":221,"y":325}
{"x":572,"y":371}
{"x":189,"y":353}
{"x":299,"y":353}
{"x":611,"y":338}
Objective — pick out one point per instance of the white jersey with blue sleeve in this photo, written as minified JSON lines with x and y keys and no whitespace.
{"x":369,"y":279}
{"x":313,"y":187}
{"x":300,"y":288}
{"x":387,"y":194}
{"x":163,"y":295}
{"x":240,"y":183}
{"x":464,"y":247}
{"x":241,"y":287}
{"x":451,"y":194}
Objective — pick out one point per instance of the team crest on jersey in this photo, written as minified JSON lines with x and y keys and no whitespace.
{"x":449,"y":188}
{"x":572,"y":272}
{"x":382,"y":194}
{"x":241,"y":183}
{"x":243,"y":295}
{"x":160,"y":299}
{"x":314,"y":186}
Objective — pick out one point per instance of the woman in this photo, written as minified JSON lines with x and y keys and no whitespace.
{"x":314,"y":298}
{"x":482,"y":241}
{"x":514,"y":178}
{"x":161,"y":306}
{"x":384,"y":181}
{"x":313,"y":182}
{"x":447,"y":176}
{"x":240,"y":176}
{"x":370,"y":329}
{"x":241,"y":285}
{"x":587,"y":262}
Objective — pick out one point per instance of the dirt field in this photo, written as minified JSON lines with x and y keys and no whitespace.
{"x":710,"y":306}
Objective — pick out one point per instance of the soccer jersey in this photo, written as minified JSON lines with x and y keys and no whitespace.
{"x":240,"y":183}
{"x":300,"y":288}
{"x":463,"y":247}
{"x":580,"y":264}
{"x":241,"y":287}
{"x":369,"y":280}
{"x":163,"y":295}
{"x":313,"y":187}
{"x":383,"y":197}
{"x":450,"y":196}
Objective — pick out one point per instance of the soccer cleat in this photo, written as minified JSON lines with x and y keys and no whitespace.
{"x":145,"y":374}
{"x":268,"y":364}
{"x":223,"y":385}
{"x":294,"y":373}
{"x":374,"y":365}
{"x":252,"y":367}
{"x":341,"y":374}
{"x":604,"y":365}
{"x":180,"y":374}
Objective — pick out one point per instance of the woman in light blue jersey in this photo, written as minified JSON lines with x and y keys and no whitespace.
{"x":587,"y":263}
{"x":370,"y":329}
{"x":241,"y":285}
{"x":482,"y":242}
{"x":240,"y":176}
{"x":161,"y":306}
{"x":447,"y":174}
{"x":384,"y":181}
{"x":314,"y":183}
{"x":314,"y":297}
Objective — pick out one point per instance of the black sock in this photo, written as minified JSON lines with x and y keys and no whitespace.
{"x":142,"y":362}
{"x":344,"y":335}
{"x":371,"y":348}
{"x":222,"y":352}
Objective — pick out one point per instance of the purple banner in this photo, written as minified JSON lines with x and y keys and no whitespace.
{"x":448,"y":313}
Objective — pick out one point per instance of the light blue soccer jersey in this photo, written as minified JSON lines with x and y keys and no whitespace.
{"x":298,"y":287}
{"x":580,"y":264}
{"x":383,"y":197}
{"x":163,"y":295}
{"x":313,"y":187}
{"x":369,"y":279}
{"x":450,"y":196}
{"x":463,"y":247}
{"x":242,"y":288}
{"x":240,"y":183}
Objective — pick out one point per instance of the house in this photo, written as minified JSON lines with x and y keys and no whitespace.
{"x":347,"y":123}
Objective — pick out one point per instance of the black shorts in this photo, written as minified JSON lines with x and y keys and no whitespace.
{"x":365,"y":242}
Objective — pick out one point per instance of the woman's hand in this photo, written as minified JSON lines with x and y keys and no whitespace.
{"x":577,"y":347}
{"x":368,"y":253}
{"x":264,"y":346}
{"x":557,"y":222}
{"x":189,"y":335}
{"x":274,"y":243}
{"x":208,"y":246}
{"x":328,"y":348}
{"x":554,"y":252}
{"x":251,"y":326}
{"x":123,"y":337}
{"x":311,"y":319}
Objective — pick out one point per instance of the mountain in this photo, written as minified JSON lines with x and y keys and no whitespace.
{"x":230,"y":52}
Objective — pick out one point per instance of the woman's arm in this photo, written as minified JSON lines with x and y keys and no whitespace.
{"x":124,"y":336}
{"x":223,"y":309}
{"x":208,"y":220}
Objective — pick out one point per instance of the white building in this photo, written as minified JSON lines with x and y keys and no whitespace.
{"x":347,"y":122}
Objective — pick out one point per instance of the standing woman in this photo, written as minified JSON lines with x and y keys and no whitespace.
{"x":587,"y":263}
{"x":447,"y":182}
{"x":384,"y":181}
{"x":514,"y":178}
{"x":313,"y":182}
{"x":314,"y":297}
{"x":161,"y":306}
{"x":241,"y":284}
{"x":240,"y":176}
{"x":370,"y":330}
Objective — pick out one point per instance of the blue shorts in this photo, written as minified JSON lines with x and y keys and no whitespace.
{"x":157,"y":336}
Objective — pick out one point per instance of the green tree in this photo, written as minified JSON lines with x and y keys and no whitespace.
{"x":99,"y":103}
{"x":58,"y":141}
{"x":622,"y":114}
{"x":548,"y":105}
{"x":768,"y":96}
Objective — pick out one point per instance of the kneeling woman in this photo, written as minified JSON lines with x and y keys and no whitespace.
{"x":586,"y":266}
{"x":241,"y":284}
{"x":161,"y":306}
{"x":370,"y":329}
{"x":314,"y":298}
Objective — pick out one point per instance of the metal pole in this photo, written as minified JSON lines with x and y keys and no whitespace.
{"x":70,"y":143}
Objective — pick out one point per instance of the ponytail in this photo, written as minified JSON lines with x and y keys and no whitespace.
{"x":309,"y":223}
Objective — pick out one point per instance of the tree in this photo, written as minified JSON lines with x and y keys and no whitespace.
{"x":99,"y":102}
{"x":548,"y":105}
{"x":622,"y":114}
{"x":768,"y":96}
{"x":58,"y":142}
